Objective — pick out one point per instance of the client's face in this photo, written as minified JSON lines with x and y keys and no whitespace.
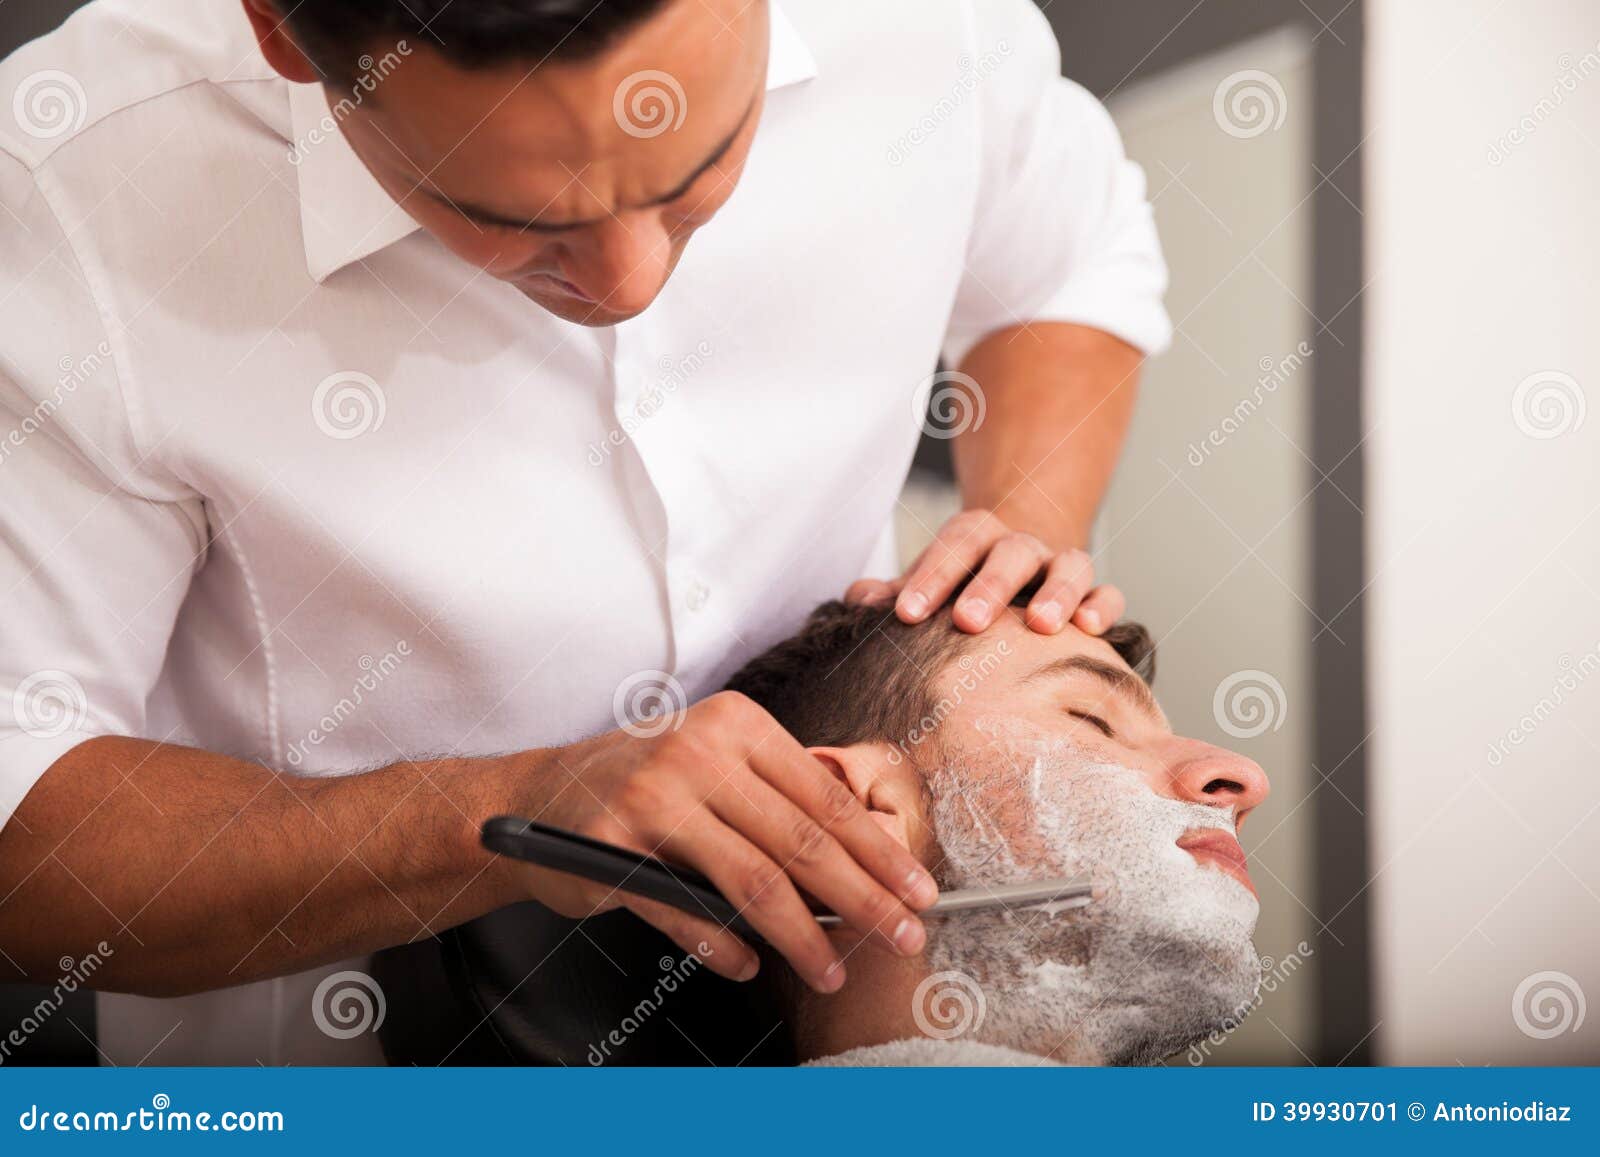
{"x":1053,"y":759}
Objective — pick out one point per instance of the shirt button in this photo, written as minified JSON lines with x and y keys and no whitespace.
{"x":697,"y":596}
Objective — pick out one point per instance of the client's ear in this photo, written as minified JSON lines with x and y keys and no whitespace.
{"x":888,"y":786}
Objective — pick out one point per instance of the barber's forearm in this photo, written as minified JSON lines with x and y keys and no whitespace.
{"x":1058,"y":399}
{"x":204,"y":871}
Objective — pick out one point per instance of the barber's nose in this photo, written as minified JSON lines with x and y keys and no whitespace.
{"x":1219,"y":778}
{"x":626,"y":264}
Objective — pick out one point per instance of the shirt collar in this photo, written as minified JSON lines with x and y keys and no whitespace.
{"x":345,"y":215}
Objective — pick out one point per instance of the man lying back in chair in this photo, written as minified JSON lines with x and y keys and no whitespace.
{"x":1015,"y":756}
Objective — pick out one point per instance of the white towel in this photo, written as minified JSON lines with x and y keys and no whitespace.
{"x":923,"y":1052}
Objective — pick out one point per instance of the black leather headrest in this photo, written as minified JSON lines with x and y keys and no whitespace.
{"x":525,"y":986}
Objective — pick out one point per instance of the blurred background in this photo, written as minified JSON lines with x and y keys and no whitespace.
{"x":1358,"y":506}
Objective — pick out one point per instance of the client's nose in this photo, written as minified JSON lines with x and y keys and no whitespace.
{"x":1218,"y":777}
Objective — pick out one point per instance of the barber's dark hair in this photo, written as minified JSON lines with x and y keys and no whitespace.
{"x":856,"y":674}
{"x":470,"y":33}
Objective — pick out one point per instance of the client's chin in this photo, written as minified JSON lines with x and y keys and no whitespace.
{"x":1106,"y":986}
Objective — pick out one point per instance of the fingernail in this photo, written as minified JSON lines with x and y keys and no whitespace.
{"x":1091,"y":621}
{"x":913,"y":604}
{"x":909,"y":936}
{"x":921,"y":890}
{"x":977,"y":608}
{"x":833,"y":979}
{"x":1049,"y":613}
{"x":748,"y":972}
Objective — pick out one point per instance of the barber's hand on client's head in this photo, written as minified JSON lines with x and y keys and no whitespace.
{"x":725,"y":790}
{"x":1001,"y":562}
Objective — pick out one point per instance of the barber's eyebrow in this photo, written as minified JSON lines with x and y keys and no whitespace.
{"x":1123,"y":682}
{"x":484,"y":216}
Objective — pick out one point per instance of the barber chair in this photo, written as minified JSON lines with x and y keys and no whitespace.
{"x":523,"y":986}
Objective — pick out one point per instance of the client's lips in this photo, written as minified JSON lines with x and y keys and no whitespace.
{"x":1215,"y":846}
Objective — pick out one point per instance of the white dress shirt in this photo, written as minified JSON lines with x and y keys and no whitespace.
{"x":280,"y":477}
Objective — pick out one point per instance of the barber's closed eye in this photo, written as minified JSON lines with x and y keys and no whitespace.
{"x":1093,"y":721}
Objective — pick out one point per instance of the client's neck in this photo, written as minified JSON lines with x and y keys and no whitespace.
{"x":873,"y":1007}
{"x":878,"y":1004}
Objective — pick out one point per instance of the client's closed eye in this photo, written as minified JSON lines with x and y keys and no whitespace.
{"x":1093,"y":721}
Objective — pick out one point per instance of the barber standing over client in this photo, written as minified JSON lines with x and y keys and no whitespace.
{"x":396,"y":395}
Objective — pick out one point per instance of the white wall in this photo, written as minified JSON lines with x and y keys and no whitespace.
{"x":1207,"y":526}
{"x":1484,"y":538}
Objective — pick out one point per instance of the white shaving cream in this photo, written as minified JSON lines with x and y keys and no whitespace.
{"x":1161,"y":960}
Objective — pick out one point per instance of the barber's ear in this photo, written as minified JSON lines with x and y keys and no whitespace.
{"x":887,"y":785}
{"x":277,"y":45}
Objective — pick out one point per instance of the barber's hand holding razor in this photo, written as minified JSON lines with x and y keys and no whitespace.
{"x":723,"y":789}
{"x":1002,"y":562}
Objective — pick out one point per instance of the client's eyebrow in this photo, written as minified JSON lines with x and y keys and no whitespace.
{"x":1122,"y":681}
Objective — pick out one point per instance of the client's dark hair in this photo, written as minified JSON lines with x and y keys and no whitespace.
{"x":470,"y":33}
{"x":855,"y":674}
